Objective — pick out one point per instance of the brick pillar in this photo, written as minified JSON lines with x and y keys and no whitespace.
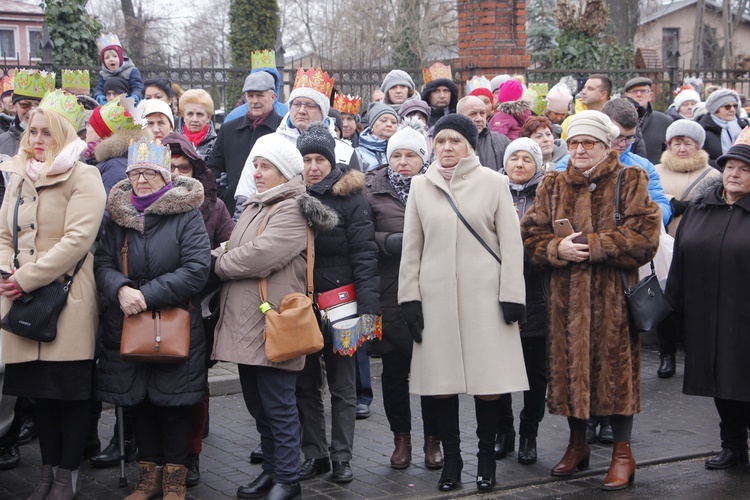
{"x":491,"y":38}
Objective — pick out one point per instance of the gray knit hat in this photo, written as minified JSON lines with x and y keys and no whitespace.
{"x":720,"y":98}
{"x":528,"y":145}
{"x":411,"y":135}
{"x":414,"y":105}
{"x":378,"y":109}
{"x":687,"y":128}
{"x":280,"y":152}
{"x":316,"y":138}
{"x":397,"y":77}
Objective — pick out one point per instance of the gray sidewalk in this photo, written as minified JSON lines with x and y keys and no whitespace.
{"x":672,"y":427}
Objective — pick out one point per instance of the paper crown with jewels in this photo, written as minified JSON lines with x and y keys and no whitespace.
{"x":66,"y":105}
{"x":263,"y":59}
{"x":477,"y":82}
{"x":315,"y":79}
{"x":76,"y":81}
{"x":150,"y":154}
{"x":437,"y":71}
{"x":6,"y":84}
{"x":107,"y":40}
{"x":32,"y":83}
{"x":121,"y":114}
{"x":744,"y":137}
{"x":347,"y":104}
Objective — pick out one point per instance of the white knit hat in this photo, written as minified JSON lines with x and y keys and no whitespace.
{"x":687,"y":128}
{"x":498,"y":80}
{"x":320,"y":99}
{"x":528,"y":145}
{"x":150,"y":106}
{"x":558,"y":99}
{"x":685,"y":96}
{"x":593,"y":123}
{"x":280,"y":152}
{"x":411,"y":136}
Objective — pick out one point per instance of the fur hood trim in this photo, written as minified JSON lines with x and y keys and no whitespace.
{"x":352,"y":182}
{"x":186,"y":194}
{"x":320,"y":217}
{"x":677,"y":164}
{"x":514,"y":108}
{"x":707,"y":193}
{"x":116,"y":146}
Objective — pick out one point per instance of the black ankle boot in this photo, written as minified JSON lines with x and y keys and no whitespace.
{"x":446,"y":418}
{"x":527,"y":450}
{"x":668,"y":366}
{"x":487,"y":413}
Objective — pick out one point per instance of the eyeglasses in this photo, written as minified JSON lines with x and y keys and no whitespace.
{"x":149,"y":175}
{"x":296,"y":105}
{"x":729,"y":107}
{"x":627,"y":139}
{"x":587,"y":144}
{"x":183,"y":170}
{"x":639,"y":91}
{"x":27,"y":104}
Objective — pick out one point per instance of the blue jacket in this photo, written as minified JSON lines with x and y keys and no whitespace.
{"x":371,"y":151}
{"x":280,"y":108}
{"x":654,"y":184}
{"x":128,"y":72}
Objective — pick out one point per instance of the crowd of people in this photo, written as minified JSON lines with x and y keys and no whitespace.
{"x":470,"y":243}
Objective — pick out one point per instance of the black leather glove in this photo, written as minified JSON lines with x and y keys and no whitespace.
{"x":393,"y":243}
{"x":678,"y":207}
{"x":414,"y":319}
{"x":513,"y":312}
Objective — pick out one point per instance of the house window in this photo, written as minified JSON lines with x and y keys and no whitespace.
{"x":7,"y":42}
{"x":35,"y":40}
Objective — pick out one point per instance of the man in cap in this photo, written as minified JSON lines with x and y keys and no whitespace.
{"x":490,"y":145}
{"x":236,"y":138}
{"x":280,"y":107}
{"x":651,"y":123}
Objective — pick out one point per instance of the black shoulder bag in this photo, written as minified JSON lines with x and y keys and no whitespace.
{"x":647,"y":306}
{"x":34,"y":315}
{"x":471,"y":229}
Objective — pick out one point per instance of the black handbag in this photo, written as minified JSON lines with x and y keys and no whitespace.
{"x":647,"y":306}
{"x":34,"y":315}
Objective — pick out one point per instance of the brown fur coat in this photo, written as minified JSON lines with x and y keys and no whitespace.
{"x":593,"y":361}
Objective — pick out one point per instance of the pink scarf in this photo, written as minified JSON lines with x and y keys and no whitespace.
{"x":447,"y":173}
{"x":64,"y":161}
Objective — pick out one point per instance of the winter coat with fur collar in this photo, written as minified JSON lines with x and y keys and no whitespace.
{"x":509,"y":118}
{"x":594,"y":361}
{"x":169,"y":259}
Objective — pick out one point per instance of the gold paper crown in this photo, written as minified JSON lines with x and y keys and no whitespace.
{"x":76,"y":81}
{"x":744,"y":137}
{"x":32,"y":83}
{"x":315,"y":79}
{"x":153,"y":154}
{"x":6,"y":84}
{"x":263,"y":59}
{"x":121,"y":114}
{"x":66,"y":105}
{"x":437,"y":71}
{"x":477,"y":82}
{"x":347,"y":104}
{"x":107,"y":40}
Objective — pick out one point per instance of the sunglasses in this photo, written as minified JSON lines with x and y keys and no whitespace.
{"x":183,"y":170}
{"x":587,"y":144}
{"x":730,"y":107}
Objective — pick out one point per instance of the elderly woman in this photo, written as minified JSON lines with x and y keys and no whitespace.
{"x":58,"y":202}
{"x":158,"y":116}
{"x":196,"y":110}
{"x":707,"y":287}
{"x":156,"y":219}
{"x":525,"y":168}
{"x":683,"y":104}
{"x":388,"y":189}
{"x":540,"y":130}
{"x":269,"y":241}
{"x":466,"y":338}
{"x":593,"y":359}
{"x":721,"y":123}
{"x":373,"y":140}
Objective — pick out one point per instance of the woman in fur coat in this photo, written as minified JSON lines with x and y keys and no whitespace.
{"x":594,"y":361}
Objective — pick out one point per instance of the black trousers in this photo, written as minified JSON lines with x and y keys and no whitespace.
{"x":735,"y":417}
{"x":668,"y":333}
{"x":535,"y":357}
{"x":395,"y":382}
{"x":62,"y":427}
{"x":162,"y":433}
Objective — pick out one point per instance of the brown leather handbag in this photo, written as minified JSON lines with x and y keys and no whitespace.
{"x":293,"y":330}
{"x":154,"y":336}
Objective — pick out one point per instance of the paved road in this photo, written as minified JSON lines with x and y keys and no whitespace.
{"x":670,"y":439}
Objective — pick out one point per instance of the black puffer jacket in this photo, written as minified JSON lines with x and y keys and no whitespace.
{"x":347,"y":254}
{"x":169,"y":258}
{"x":712,"y":145}
{"x":388,"y":215}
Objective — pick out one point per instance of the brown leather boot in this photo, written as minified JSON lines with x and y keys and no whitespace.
{"x":401,"y":457}
{"x":149,"y":485}
{"x":174,"y":482}
{"x":433,"y":455}
{"x":622,"y":468}
{"x":576,"y":456}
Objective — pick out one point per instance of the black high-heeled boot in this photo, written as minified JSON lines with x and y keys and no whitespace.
{"x":446,"y":418}
{"x":487,"y":415}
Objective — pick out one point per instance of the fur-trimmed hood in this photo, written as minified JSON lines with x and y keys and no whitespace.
{"x":514,"y":108}
{"x":186,"y":194}
{"x":341,"y":183}
{"x":707,"y":193}
{"x":116,"y":146}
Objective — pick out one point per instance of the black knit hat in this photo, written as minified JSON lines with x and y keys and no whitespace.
{"x":737,"y":152}
{"x":461,"y":124}
{"x":316,"y":138}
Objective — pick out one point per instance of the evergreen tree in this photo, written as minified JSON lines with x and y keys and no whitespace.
{"x":73,"y":32}
{"x":252,"y":26}
{"x":405,"y":50}
{"x":541,"y":31}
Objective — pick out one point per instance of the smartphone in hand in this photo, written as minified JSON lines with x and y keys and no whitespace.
{"x":563,"y":228}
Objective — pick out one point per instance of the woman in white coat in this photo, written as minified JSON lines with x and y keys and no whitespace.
{"x":460,"y":302}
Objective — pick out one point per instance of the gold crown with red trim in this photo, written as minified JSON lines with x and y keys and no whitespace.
{"x":347,"y":104}
{"x":437,"y":71}
{"x":6,"y":84}
{"x":263,"y":59}
{"x":315,"y":79}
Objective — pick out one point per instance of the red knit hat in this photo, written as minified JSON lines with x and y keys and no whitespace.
{"x":97,"y":123}
{"x":485,"y":92}
{"x":510,"y":91}
{"x":117,"y":49}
